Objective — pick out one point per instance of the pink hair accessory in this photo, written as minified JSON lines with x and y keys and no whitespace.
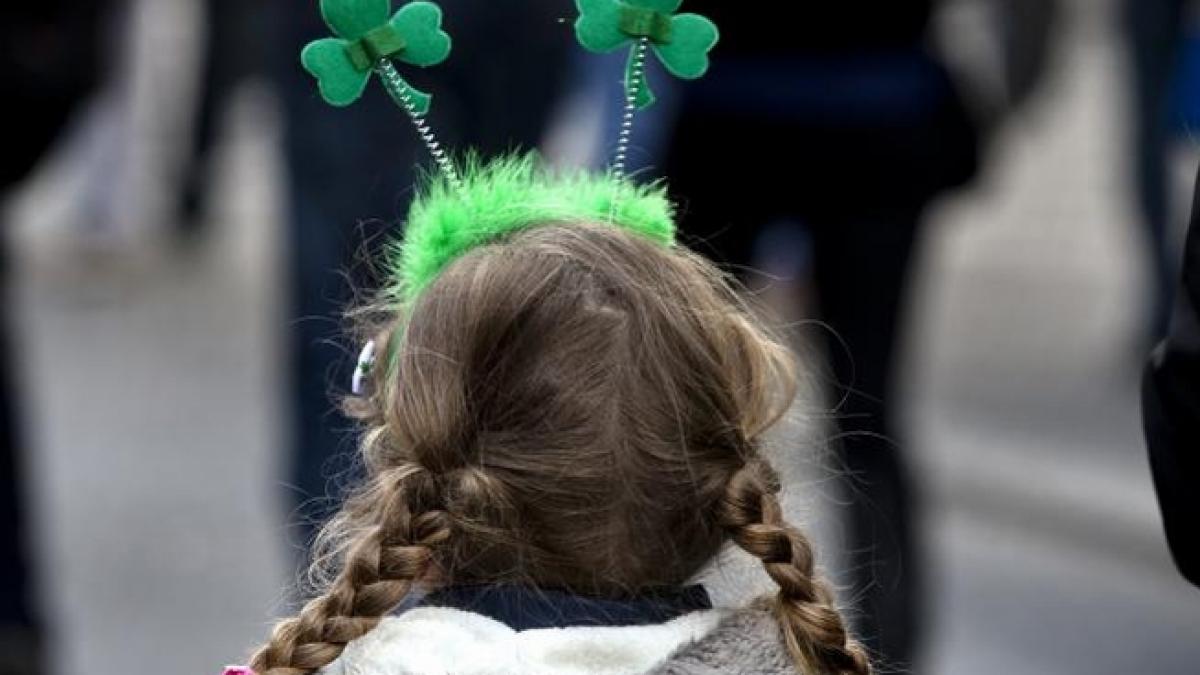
{"x":238,"y":670}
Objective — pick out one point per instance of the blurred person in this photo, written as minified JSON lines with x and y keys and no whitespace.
{"x":1155,"y":32}
{"x":839,"y":116}
{"x":49,"y":61}
{"x":564,"y":415}
{"x":1171,"y":408}
{"x":491,"y":103}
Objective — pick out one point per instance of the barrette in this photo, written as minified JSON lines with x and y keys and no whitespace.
{"x":366,"y":363}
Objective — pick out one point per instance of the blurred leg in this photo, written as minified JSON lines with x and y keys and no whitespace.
{"x":1029,"y":32}
{"x":19,"y":629}
{"x":722,"y":205}
{"x":225,"y":57}
{"x":861,"y":265}
{"x":1154,"y":28}
{"x":861,"y":273}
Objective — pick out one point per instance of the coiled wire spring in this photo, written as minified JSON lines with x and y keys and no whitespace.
{"x":401,"y":93}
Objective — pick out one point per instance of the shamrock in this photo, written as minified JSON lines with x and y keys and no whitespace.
{"x":682,"y":42}
{"x":366,"y":37}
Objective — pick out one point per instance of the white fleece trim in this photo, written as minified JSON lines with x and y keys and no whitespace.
{"x":441,"y":641}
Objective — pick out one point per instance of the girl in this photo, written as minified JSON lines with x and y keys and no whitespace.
{"x":562,"y":429}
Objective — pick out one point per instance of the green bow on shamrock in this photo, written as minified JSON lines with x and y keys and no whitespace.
{"x":682,"y":42}
{"x":365,"y":38}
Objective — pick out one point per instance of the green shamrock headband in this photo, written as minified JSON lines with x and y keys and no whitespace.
{"x":455,"y":212}
{"x":494,"y":199}
{"x":508,"y":194}
{"x":368,"y":41}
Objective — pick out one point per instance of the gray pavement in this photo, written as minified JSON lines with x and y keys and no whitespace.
{"x":157,"y":429}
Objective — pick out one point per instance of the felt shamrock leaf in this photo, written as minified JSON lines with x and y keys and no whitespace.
{"x":682,"y":42}
{"x":366,"y":38}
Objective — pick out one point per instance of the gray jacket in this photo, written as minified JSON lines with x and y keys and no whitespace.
{"x":747,"y":642}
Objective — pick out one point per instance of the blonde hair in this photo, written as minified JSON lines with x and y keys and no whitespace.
{"x":576,"y":407}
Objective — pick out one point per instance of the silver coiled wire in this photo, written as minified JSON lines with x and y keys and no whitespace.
{"x":638,"y":73}
{"x":401,"y":94}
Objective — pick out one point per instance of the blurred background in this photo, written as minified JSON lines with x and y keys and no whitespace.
{"x":184,"y":221}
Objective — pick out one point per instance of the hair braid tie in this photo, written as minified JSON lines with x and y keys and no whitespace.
{"x":813,"y":629}
{"x":380,"y":570}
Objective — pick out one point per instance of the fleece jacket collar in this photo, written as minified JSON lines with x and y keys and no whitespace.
{"x":444,"y":641}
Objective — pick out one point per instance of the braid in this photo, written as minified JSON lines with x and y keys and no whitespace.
{"x":813,"y":629}
{"x":381,"y":567}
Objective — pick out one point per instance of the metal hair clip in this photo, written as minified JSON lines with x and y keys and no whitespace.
{"x":366,"y":363}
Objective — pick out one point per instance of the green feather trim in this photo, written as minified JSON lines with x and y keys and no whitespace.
{"x":509,"y":194}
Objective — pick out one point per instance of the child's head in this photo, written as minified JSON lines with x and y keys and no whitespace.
{"x":570,"y":405}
